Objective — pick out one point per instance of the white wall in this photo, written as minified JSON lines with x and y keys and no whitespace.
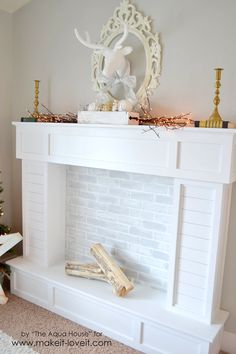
{"x":5,"y":117}
{"x":196,"y":37}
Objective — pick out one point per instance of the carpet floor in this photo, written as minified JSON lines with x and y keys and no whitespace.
{"x":19,"y":316}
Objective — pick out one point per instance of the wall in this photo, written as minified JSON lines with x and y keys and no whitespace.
{"x":196,"y":37}
{"x":5,"y":117}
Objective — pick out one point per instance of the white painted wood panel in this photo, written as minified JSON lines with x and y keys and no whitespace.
{"x":30,"y":286}
{"x":194,"y":243}
{"x":192,"y":291}
{"x":197,"y":217}
{"x":196,"y":204}
{"x":96,"y":313}
{"x":190,"y":304}
{"x":110,"y":149}
{"x":196,"y":230}
{"x":192,"y":279}
{"x":158,"y":340}
{"x":194,"y":256}
{"x":34,"y":142}
{"x":189,"y":153}
{"x":196,"y":268}
{"x":209,"y":158}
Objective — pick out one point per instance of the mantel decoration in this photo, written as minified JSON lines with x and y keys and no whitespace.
{"x":112,"y":70}
{"x":215,"y":120}
{"x":48,"y":117}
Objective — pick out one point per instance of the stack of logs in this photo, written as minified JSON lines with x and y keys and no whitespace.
{"x":105,"y":269}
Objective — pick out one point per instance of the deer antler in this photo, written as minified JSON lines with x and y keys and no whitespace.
{"x":123,"y":38}
{"x":86,"y":42}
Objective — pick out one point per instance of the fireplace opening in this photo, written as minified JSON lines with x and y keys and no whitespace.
{"x":130,"y":214}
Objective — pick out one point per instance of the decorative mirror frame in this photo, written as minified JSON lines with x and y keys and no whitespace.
{"x":140,"y":26}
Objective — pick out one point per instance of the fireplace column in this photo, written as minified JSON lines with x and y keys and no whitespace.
{"x":199,"y":246}
{"x":43,"y":200}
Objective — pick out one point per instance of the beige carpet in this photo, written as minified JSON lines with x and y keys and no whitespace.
{"x":19,"y":315}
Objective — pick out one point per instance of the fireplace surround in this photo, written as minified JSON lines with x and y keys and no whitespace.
{"x":185,"y":319}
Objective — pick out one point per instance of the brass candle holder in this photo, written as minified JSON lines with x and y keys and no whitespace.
{"x":215,"y":117}
{"x":36,"y":97}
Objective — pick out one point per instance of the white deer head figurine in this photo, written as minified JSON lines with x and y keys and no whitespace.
{"x":115,"y":63}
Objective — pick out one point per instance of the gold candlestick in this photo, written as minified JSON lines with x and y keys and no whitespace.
{"x":215,"y":117}
{"x":36,"y":97}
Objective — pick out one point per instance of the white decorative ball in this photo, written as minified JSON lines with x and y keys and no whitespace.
{"x":125,"y":105}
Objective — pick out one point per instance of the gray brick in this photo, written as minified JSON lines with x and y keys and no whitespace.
{"x":158,"y":263}
{"x":85,"y":227}
{"x":129,"y":238}
{"x":97,"y":188}
{"x":87,"y":195}
{"x":151,"y":225}
{"x":130,"y":185}
{"x":164,"y":200}
{"x":97,"y":172}
{"x":88,"y":179}
{"x":119,"y":174}
{"x":161,"y":255}
{"x":132,"y":203}
{"x":163,"y":219}
{"x":106,"y":224}
{"x":137,"y":267}
{"x":142,"y":196}
{"x":96,"y":205}
{"x":107,"y":233}
{"x":94,"y":238}
{"x":116,"y":244}
{"x":128,"y":220}
{"x":134,"y":230}
{"x":118,"y":192}
{"x":147,"y":215}
{"x":108,"y":182}
{"x":118,"y":209}
{"x":139,"y":249}
{"x":77,"y":185}
{"x":108,"y":199}
{"x":149,"y":243}
{"x":105,"y":215}
{"x":156,"y":188}
{"x":143,"y":178}
{"x":157,"y":208}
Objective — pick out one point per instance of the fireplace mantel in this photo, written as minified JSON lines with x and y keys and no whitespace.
{"x":187,"y":319}
{"x":202,"y":154}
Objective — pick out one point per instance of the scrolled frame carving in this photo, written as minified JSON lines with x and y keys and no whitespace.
{"x":140,"y":26}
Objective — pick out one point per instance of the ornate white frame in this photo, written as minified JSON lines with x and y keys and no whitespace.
{"x":140,"y":26}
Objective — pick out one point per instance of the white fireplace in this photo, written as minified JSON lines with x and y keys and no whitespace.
{"x":186,"y":173}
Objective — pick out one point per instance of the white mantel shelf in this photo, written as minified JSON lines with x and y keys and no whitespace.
{"x":204,"y":154}
{"x":202,"y":163}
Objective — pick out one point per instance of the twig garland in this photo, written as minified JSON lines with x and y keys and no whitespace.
{"x":54,"y":118}
{"x":174,"y":122}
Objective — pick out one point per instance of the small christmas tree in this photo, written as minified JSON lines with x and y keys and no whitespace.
{"x":3,"y":228}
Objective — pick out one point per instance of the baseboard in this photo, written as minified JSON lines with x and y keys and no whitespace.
{"x":229,"y":342}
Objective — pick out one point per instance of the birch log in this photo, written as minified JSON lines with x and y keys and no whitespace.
{"x":88,"y":270}
{"x":3,"y":298}
{"x":112,"y":271}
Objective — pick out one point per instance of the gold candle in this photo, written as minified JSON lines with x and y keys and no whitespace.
{"x":36,"y":97}
{"x":215,"y":117}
